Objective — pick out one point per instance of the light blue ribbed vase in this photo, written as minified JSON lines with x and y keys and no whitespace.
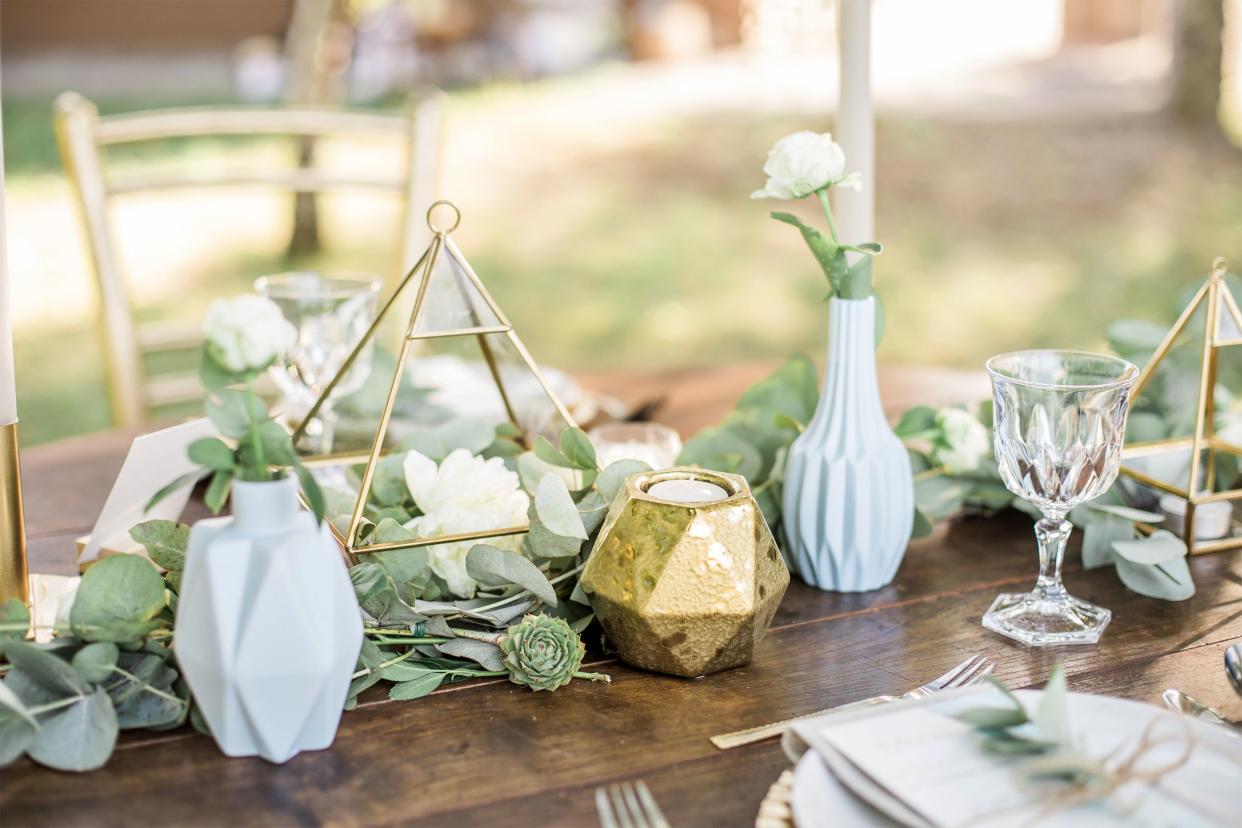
{"x":848,"y":503}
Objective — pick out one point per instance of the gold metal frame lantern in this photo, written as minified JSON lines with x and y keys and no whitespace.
{"x":1204,"y":445}
{"x":485,"y":319}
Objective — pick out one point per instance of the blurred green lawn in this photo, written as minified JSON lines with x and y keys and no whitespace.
{"x":650,"y":253}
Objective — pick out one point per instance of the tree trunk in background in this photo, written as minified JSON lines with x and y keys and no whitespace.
{"x":1197,"y":56}
{"x":317,"y":52}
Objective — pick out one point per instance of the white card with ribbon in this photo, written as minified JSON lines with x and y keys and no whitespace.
{"x":154,"y":461}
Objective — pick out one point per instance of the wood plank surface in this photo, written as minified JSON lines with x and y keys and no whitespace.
{"x":490,"y":753}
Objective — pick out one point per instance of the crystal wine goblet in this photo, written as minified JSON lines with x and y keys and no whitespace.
{"x":331,"y":314}
{"x":1059,"y":418}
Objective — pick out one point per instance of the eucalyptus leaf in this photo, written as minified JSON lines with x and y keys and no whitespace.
{"x":543,"y":543}
{"x":218,"y":491}
{"x":388,"y":487}
{"x":917,"y":423}
{"x":187,"y":479}
{"x":1051,"y":717}
{"x":1134,"y":515}
{"x":613,"y":477}
{"x":592,"y":509}
{"x":939,"y":497}
{"x":14,"y":613}
{"x":232,"y":411}
{"x":495,"y":567}
{"x":138,"y":707}
{"x":792,"y":390}
{"x":549,"y":453}
{"x":310,"y":489}
{"x":389,"y":531}
{"x":165,"y":541}
{"x":1157,"y":548}
{"x":531,"y":469}
{"x":18,"y":729}
{"x":856,"y":284}
{"x":485,"y":654}
{"x":577,"y":448}
{"x":44,"y":669}
{"x":1098,"y":537}
{"x":277,"y":443}
{"x":377,"y":596}
{"x":1168,"y":581}
{"x":556,"y":509}
{"x":416,"y":688}
{"x":831,"y":258}
{"x":211,"y":452}
{"x":923,"y":525}
{"x":991,"y":717}
{"x":721,"y":450}
{"x":117,"y":600}
{"x":79,"y":737}
{"x":94,"y":662}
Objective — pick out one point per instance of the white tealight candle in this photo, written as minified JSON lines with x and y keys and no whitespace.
{"x":687,"y":491}
{"x":1212,"y":520}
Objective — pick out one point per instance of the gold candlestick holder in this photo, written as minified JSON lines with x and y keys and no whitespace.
{"x":14,"y":574}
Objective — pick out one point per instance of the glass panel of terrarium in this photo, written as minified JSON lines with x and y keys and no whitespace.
{"x":452,"y":300}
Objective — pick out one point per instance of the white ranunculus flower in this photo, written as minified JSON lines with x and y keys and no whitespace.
{"x":968,"y":440}
{"x":247,"y":332}
{"x":464,"y":493}
{"x":802,"y":163}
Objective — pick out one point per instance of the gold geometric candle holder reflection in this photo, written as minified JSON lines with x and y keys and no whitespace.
{"x":1204,"y":446}
{"x":450,"y":304}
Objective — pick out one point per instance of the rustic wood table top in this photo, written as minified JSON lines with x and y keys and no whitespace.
{"x":491,"y":753}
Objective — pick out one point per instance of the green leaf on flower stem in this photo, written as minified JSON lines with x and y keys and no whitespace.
{"x":549,"y":453}
{"x":218,"y":491}
{"x":1167,"y":581}
{"x":831,"y":258}
{"x":117,"y":600}
{"x":1157,"y":548}
{"x":919,"y":423}
{"x":94,"y":662}
{"x":165,"y":542}
{"x":1135,"y":339}
{"x":46,"y":671}
{"x":310,"y":488}
{"x":78,"y":738}
{"x":277,"y":444}
{"x":18,"y":729}
{"x":577,"y":448}
{"x":416,"y":688}
{"x":857,"y":281}
{"x":1098,"y":537}
{"x":1143,"y":426}
{"x":1006,"y":744}
{"x":496,"y":567}
{"x":358,"y":685}
{"x":14,"y":612}
{"x":187,"y":479}
{"x":212,"y":452}
{"x":215,"y":376}
{"x":232,"y":411}
{"x":613,"y":478}
{"x":556,"y":508}
{"x":721,"y":450}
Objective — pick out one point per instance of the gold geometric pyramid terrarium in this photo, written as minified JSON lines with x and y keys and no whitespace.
{"x":454,"y":330}
{"x":1221,"y":329}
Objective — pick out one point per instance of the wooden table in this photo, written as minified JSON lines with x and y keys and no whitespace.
{"x":491,"y":753}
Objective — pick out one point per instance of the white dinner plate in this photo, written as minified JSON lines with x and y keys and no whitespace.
{"x":823,"y":799}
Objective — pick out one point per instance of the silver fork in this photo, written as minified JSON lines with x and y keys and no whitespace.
{"x":628,"y":805}
{"x":970,"y":672}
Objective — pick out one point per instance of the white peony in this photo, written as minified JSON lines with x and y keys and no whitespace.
{"x":968,"y":440}
{"x":247,"y":332}
{"x":464,"y":493}
{"x":802,"y":163}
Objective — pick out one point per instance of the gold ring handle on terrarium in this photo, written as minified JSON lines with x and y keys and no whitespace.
{"x":456,"y":217}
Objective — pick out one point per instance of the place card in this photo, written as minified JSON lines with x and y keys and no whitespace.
{"x":154,"y":461}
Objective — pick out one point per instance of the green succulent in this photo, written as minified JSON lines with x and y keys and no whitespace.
{"x":542,"y":652}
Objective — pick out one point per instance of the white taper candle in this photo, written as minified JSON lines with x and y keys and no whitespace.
{"x":855,"y":127}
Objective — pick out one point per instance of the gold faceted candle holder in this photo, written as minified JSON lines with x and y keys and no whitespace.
{"x":685,"y":588}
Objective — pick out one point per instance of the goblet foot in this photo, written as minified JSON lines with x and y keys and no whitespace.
{"x":1037,"y":619}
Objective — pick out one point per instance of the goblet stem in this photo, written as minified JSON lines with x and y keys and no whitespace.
{"x":1051,"y":532}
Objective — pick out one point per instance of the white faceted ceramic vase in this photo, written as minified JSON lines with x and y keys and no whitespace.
{"x":848,"y":501}
{"x":268,"y":629}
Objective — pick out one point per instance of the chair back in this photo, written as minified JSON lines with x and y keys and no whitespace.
{"x":84,"y":137}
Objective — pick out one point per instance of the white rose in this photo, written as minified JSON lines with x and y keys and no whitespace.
{"x":247,"y":332}
{"x":968,"y":440}
{"x":802,"y":163}
{"x":464,"y":493}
